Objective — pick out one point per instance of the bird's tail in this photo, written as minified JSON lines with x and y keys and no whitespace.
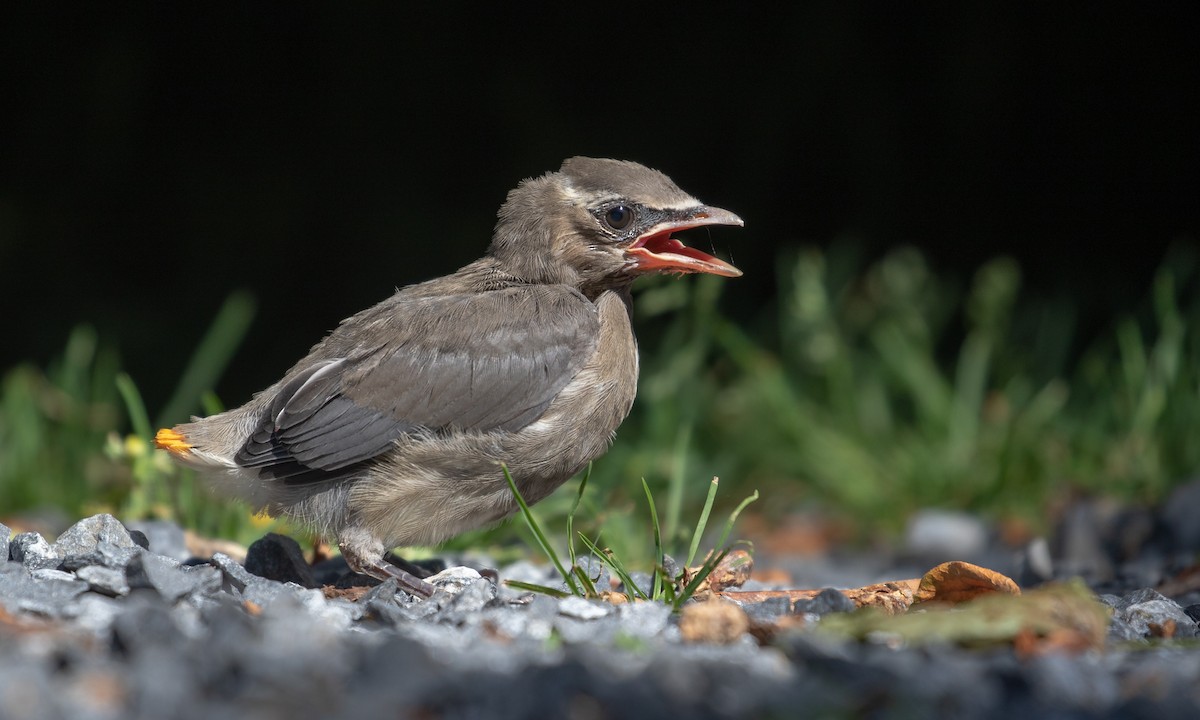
{"x":173,"y":441}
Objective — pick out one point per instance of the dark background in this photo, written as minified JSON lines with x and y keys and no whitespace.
{"x":155,"y":159}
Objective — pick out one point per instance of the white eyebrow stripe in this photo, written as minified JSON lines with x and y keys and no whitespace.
{"x":685,"y":204}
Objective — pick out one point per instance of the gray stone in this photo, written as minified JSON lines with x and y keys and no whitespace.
{"x":1145,"y":614}
{"x":583,"y":609}
{"x":51,"y":574}
{"x":95,"y":613}
{"x":827,"y":601}
{"x":233,"y":575}
{"x":599,"y":573}
{"x":20,"y":592}
{"x":31,"y":550}
{"x":643,"y":619}
{"x":163,"y":537}
{"x":454,"y":579}
{"x":5,"y":535}
{"x":278,"y":557}
{"x":768,"y":611}
{"x":104,"y":580}
{"x":467,"y":604}
{"x":85,"y":535}
{"x":379,"y":604}
{"x":265,"y":593}
{"x":599,"y":630}
{"x":643,"y":581}
{"x":941,"y":535}
{"x":95,"y":540}
{"x":168,"y":578}
{"x":143,"y":625}
{"x":1074,"y":683}
{"x":105,"y":554}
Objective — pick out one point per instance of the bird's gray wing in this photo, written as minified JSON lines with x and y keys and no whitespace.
{"x":473,"y":362}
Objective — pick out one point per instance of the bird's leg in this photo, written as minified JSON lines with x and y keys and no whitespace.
{"x":364,"y":555}
{"x":409,"y":567}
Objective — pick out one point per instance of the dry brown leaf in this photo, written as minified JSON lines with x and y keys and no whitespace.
{"x":890,"y":597}
{"x":614,"y":598}
{"x":715,"y":621}
{"x":956,"y":581}
{"x":352,"y":593}
{"x":733,"y":571}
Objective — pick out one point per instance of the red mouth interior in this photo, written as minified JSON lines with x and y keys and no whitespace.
{"x":662,"y":242}
{"x":659,"y":252}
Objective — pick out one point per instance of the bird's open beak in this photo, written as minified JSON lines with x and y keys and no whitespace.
{"x":656,"y":251}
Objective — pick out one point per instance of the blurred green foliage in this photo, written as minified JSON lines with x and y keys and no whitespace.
{"x":871,"y":390}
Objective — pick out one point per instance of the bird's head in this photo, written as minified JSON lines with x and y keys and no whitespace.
{"x":600,"y":223}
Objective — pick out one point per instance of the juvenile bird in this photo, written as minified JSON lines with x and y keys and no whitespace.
{"x":393,"y":429}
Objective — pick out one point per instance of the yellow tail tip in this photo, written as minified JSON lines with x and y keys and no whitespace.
{"x":171,"y":441}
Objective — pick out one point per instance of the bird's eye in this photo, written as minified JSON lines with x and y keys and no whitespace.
{"x":618,"y":217}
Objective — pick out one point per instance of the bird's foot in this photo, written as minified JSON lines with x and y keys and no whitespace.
{"x":364,"y":554}
{"x":381,"y":570}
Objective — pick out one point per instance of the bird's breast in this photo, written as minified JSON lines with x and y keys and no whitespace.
{"x":578,"y":425}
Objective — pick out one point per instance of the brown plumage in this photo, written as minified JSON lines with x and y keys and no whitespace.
{"x":392,"y":430}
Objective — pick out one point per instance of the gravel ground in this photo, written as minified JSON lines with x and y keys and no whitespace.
{"x":116,"y":622}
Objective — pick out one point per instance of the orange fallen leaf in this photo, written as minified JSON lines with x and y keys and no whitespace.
{"x":956,"y":581}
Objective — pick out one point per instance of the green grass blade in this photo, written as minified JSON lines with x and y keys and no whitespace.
{"x":571,"y":515}
{"x":537,"y":532}
{"x":589,"y":588}
{"x":534,"y":587}
{"x":708,"y":503}
{"x":656,"y":589}
{"x":699,"y":577}
{"x":734,"y":516}
{"x":614,"y":563}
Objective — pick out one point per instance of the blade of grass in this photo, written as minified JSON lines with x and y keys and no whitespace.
{"x":534,"y":587}
{"x":715,"y":559}
{"x":537,"y":532}
{"x":705,"y":570}
{"x":708,"y":503}
{"x":656,"y":586}
{"x":589,"y":588}
{"x":614,"y":563}
{"x":733,"y":516}
{"x":571,"y":515}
